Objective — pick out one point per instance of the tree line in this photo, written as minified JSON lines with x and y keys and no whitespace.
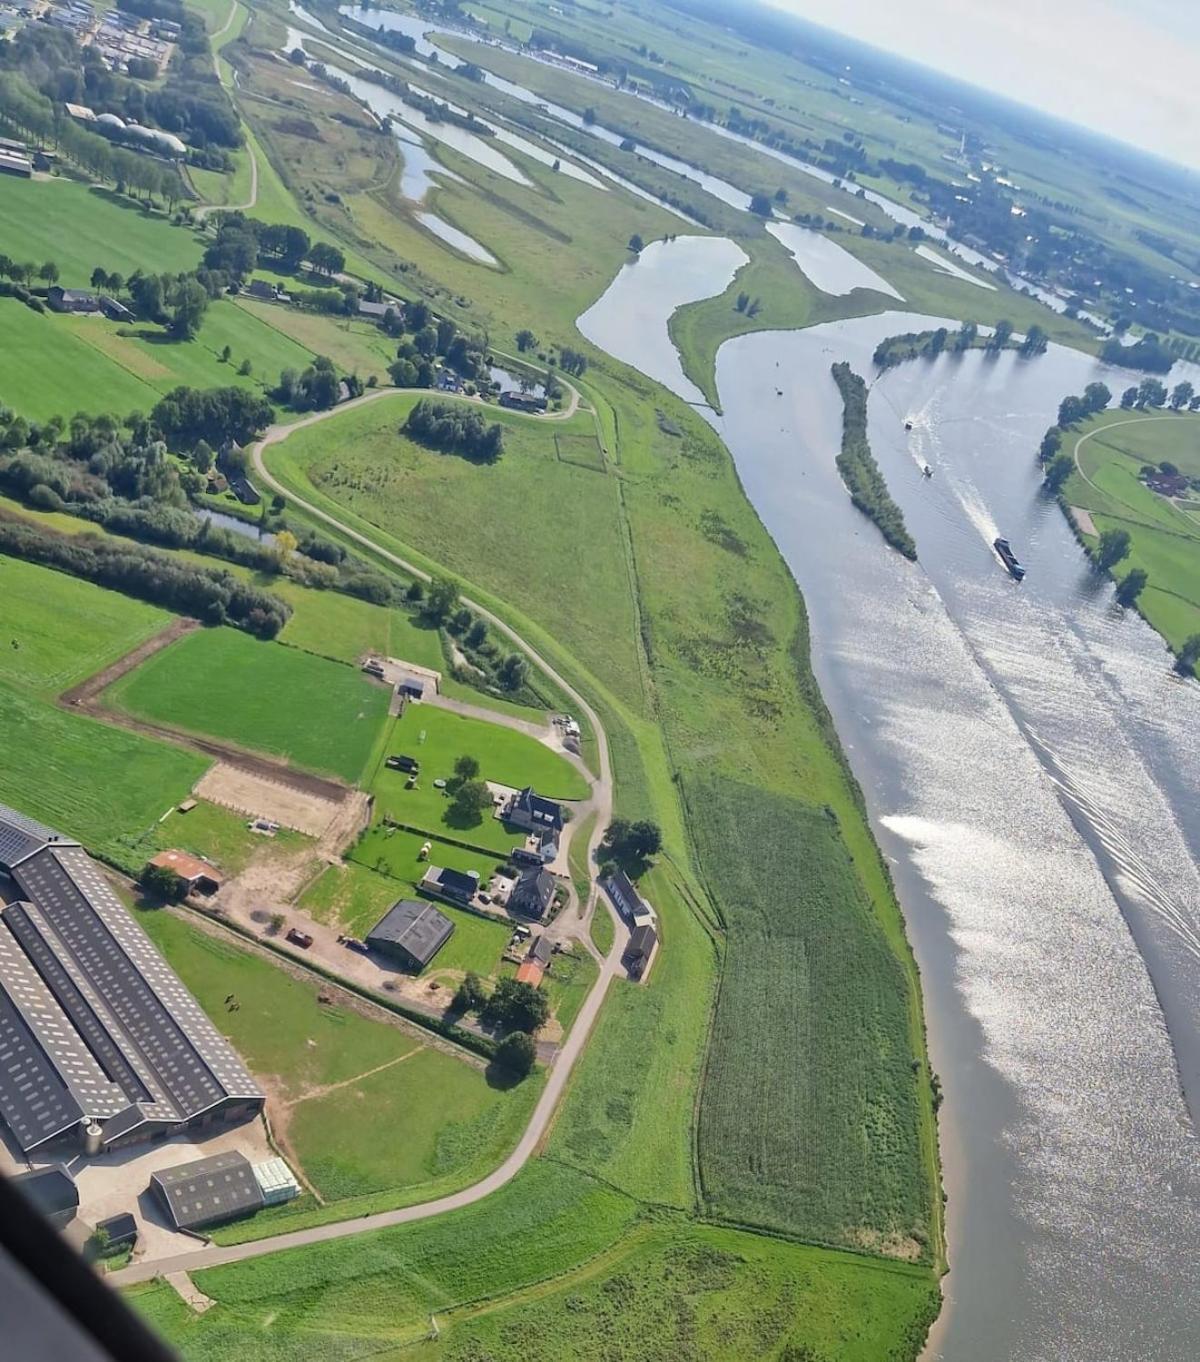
{"x":893,"y":350}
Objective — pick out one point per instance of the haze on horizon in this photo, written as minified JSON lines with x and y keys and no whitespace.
{"x":1126,"y":68}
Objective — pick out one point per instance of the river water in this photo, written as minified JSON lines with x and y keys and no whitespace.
{"x":1032,"y":771}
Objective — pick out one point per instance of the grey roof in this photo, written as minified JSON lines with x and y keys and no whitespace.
{"x":624,"y":893}
{"x":206,"y":1191}
{"x":93,"y":1022}
{"x":542,"y":950}
{"x":50,"y":1189}
{"x":539,"y":811}
{"x":534,"y":890}
{"x":419,"y":929}
{"x":641,"y":942}
{"x":456,"y":883}
{"x":120,"y":1228}
{"x":20,"y":837}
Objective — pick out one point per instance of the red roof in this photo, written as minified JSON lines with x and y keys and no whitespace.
{"x":187,"y":867}
{"x":530,"y":973}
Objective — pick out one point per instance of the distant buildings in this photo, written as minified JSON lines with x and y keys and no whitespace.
{"x":411,"y":933}
{"x":101,"y":1045}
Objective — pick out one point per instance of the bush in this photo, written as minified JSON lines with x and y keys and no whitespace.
{"x":161,"y":882}
{"x":517,"y":1053}
{"x":517,"y":1007}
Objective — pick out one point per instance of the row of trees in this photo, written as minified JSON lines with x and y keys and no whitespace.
{"x":243,"y":243}
{"x":440,"y":605}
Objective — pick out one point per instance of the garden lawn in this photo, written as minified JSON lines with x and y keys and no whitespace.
{"x":393,"y":852}
{"x":57,"y":630}
{"x":266,"y":697}
{"x":354,"y":898}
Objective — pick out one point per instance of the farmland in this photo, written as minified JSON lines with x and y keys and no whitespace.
{"x":264,"y":697}
{"x":1110,"y":452}
{"x":424,"y":1118}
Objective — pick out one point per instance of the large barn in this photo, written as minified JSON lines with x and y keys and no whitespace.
{"x":100,"y":1043}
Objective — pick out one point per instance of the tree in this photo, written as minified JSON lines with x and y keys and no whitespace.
{"x":760,"y":205}
{"x":476,"y":635}
{"x":442,"y":600}
{"x":1035,"y":341}
{"x":326,"y":259}
{"x":286,"y":544}
{"x":1096,"y":397}
{"x":1001,"y":335}
{"x":512,"y":672}
{"x":188,"y":302}
{"x":49,"y":272}
{"x":1189,"y":655}
{"x":1113,"y":546}
{"x":161,"y":882}
{"x":226,"y":353}
{"x":466,"y":767}
{"x":1151,"y":393}
{"x":1058,"y":470}
{"x":636,"y":244}
{"x":518,"y":1007}
{"x":1129,"y":398}
{"x":1131,"y":586}
{"x":471,"y":799}
{"x":244,"y":368}
{"x":1071,"y":410}
{"x":1051,"y":443}
{"x":1181,"y":395}
{"x":99,"y":277}
{"x":99,"y":1242}
{"x":470,"y":996}
{"x":517,"y":1053}
{"x":526,"y":340}
{"x":636,"y":841}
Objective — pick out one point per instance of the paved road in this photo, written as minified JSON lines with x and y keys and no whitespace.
{"x":572,"y":1047}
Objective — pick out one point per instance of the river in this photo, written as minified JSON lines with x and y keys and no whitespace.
{"x":1032,"y":772}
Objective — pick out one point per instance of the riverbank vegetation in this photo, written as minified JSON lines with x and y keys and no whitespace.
{"x":893,"y":350}
{"x":859,"y":470}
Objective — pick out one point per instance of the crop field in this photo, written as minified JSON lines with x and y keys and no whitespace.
{"x":809,"y":1116}
{"x":87,"y":780}
{"x":355,"y":898}
{"x":40,"y":220}
{"x":422,"y":1116}
{"x":361,"y":461}
{"x":1165,"y":538}
{"x":354,"y":346}
{"x":57,"y":629}
{"x":345,"y":628}
{"x":262,"y":696}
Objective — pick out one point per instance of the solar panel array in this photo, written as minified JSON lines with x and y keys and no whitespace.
{"x":93,"y":1022}
{"x":20,"y":836}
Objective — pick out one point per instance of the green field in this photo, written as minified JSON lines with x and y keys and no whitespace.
{"x":222,"y":837}
{"x":393,"y":852}
{"x":423,"y":1118}
{"x":265,"y":697}
{"x":355,"y":898}
{"x":57,"y":630}
{"x":346,"y":628}
{"x":1110,"y":450}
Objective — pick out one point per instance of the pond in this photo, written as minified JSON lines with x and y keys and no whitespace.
{"x":221,"y":521}
{"x":829,"y":267}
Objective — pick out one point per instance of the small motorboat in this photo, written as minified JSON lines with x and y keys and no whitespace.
{"x":908,"y":425}
{"x":927,"y":471}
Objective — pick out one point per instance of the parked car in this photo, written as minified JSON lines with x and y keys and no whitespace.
{"x":299,"y":938}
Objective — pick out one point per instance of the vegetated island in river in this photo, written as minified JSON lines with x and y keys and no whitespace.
{"x":893,"y":350}
{"x":858,"y":468}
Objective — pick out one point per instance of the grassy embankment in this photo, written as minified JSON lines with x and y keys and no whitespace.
{"x":860,"y":472}
{"x":1109,"y":452}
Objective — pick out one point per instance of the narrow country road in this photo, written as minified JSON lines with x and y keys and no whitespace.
{"x":572,"y":1047}
{"x":203,"y":211}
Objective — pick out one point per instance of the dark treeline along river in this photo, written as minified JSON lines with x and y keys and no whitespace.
{"x":1032,"y":770}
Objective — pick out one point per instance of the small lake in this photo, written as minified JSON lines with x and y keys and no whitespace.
{"x":628,"y":321}
{"x":828,"y":266}
{"x":511,"y":383}
{"x":221,"y":521}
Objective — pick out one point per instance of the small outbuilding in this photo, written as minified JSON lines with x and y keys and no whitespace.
{"x":208,"y":1191}
{"x":459,"y":885}
{"x":197,"y":876}
{"x":121,"y":1230}
{"x":641,"y":947}
{"x":411,"y":933}
{"x":411,"y":687}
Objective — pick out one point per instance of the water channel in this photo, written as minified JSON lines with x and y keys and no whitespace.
{"x":1032,"y":771}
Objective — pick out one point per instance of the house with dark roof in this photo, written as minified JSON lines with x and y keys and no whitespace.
{"x":208,"y":1191}
{"x":245,"y":491}
{"x":533,"y":892}
{"x":627,"y":899}
{"x":115,"y":310}
{"x":531,"y":811}
{"x":377,"y":311}
{"x":260,"y":288}
{"x":121,"y":1230}
{"x":411,"y":933}
{"x":101,"y":1045}
{"x":52,"y":1191}
{"x":641,"y":947}
{"x":72,"y":299}
{"x":460,"y":886}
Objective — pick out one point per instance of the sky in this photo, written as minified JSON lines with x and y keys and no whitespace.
{"x":1129,"y":68}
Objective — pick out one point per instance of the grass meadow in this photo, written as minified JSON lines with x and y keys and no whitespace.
{"x":1110,"y":451}
{"x":264,"y":697}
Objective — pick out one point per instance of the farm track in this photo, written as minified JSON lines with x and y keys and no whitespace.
{"x":572,"y":1047}
{"x":86,"y":697}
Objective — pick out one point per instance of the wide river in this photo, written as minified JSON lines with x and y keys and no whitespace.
{"x":1032,"y":771}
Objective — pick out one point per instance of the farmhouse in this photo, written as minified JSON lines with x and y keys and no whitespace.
{"x":52,"y":1191}
{"x":208,"y":1191}
{"x":529,"y":810}
{"x":197,"y":876}
{"x":100,"y":1043}
{"x":411,"y":933}
{"x":377,"y":310}
{"x":1168,"y":484}
{"x":459,"y":885}
{"x":72,"y":300}
{"x":533,"y":892}
{"x":628,"y":901}
{"x":527,"y":402}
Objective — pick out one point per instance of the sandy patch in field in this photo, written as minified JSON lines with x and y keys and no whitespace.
{"x":241,"y":790}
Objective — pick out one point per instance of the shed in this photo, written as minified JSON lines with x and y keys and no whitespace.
{"x":121,"y":1229}
{"x":411,"y":687}
{"x":530,"y":972}
{"x":541,"y":951}
{"x":640,"y":948}
{"x":276,"y":1181}
{"x":208,"y":1191}
{"x":198,"y":876}
{"x":460,"y":885}
{"x":52,"y":1191}
{"x":411,"y":933}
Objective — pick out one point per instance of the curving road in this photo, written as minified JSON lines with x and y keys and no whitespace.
{"x":194,"y":1259}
